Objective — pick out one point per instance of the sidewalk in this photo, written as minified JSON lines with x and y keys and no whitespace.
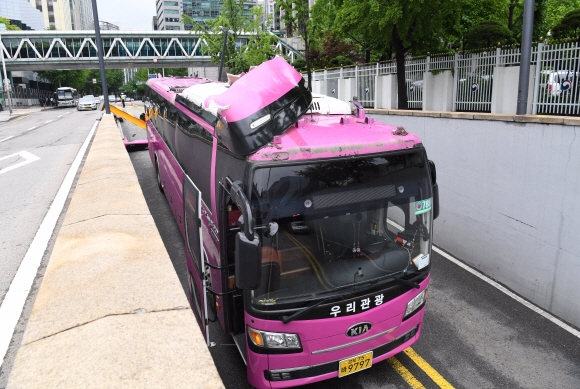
{"x":17,"y":112}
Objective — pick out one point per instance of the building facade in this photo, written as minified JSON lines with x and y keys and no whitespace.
{"x":22,"y":13}
{"x":65,"y":14}
{"x":169,"y":12}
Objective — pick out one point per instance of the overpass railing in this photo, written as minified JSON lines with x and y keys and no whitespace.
{"x":39,"y":50}
{"x":556,"y":77}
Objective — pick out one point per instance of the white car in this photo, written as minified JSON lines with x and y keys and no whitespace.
{"x":559,"y":81}
{"x":86,"y":103}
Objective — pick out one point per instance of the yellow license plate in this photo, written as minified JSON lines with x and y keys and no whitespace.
{"x":355,"y":364}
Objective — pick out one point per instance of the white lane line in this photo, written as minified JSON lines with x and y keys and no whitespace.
{"x":502,"y":288}
{"x":59,"y":116}
{"x":12,"y":136}
{"x":31,"y":128}
{"x":15,"y":298}
{"x":28,"y":158}
{"x":511,"y":294}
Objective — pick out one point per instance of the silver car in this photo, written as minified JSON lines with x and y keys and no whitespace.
{"x":86,"y":103}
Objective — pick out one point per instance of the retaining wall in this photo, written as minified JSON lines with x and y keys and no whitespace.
{"x":509,"y":188}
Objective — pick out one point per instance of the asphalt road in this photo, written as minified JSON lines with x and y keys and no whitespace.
{"x":36,"y":152}
{"x":474,"y":336}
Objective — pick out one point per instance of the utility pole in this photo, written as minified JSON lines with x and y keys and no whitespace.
{"x":100,"y":54}
{"x":524,"y":81}
{"x":6,"y":82}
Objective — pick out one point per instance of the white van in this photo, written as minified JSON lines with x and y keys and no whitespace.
{"x":560,"y":81}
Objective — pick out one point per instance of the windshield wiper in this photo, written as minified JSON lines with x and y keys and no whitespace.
{"x":295,"y":315}
{"x":375,"y":280}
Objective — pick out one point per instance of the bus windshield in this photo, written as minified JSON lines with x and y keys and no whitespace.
{"x":64,"y":95}
{"x":341,"y":222}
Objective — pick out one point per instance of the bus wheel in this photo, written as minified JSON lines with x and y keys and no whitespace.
{"x":158,"y":176}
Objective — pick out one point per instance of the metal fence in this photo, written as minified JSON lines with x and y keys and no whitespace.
{"x":557,"y":89}
{"x":556,"y":85}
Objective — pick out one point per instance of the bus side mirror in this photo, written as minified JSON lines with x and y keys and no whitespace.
{"x":248,"y":262}
{"x":243,"y":204}
{"x":435,"y":201}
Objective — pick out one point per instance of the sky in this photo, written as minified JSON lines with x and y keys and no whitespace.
{"x":127,"y":14}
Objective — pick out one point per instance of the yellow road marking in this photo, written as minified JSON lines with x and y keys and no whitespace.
{"x":313,"y":257}
{"x":20,"y":118}
{"x":318,"y":263}
{"x":310,"y":258}
{"x":426,"y":367}
{"x":406,"y":374}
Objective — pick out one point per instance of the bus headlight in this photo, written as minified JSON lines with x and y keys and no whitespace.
{"x":274,"y":339}
{"x":415,"y":303}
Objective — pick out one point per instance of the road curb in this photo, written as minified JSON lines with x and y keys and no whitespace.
{"x":110,"y":311}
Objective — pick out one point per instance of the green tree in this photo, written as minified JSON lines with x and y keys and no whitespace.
{"x":296,"y":17}
{"x":556,"y":10}
{"x":9,"y":27}
{"x":405,"y":26}
{"x":487,"y":34}
{"x":259,"y":47}
{"x":72,"y":78}
{"x":569,"y":26}
{"x":115,"y":79}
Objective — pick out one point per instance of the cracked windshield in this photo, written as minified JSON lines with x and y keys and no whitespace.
{"x":341,"y":223}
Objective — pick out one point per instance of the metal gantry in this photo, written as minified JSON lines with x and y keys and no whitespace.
{"x":44,"y":50}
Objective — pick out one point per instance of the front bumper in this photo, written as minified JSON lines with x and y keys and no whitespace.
{"x":318,"y":372}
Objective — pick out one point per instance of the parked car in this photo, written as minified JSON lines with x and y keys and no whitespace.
{"x":111,"y":99}
{"x":299,"y":227}
{"x":87,"y":103}
{"x":98,"y":99}
{"x":559,"y":81}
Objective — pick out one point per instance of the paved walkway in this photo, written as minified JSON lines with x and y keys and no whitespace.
{"x":17,"y":112}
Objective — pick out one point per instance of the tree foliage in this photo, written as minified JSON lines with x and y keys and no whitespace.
{"x":9,"y":27}
{"x":569,"y":26}
{"x":296,"y":17}
{"x":76,"y":79}
{"x":258,"y":49}
{"x":402,"y":26}
{"x":487,"y":34}
{"x":556,"y":10}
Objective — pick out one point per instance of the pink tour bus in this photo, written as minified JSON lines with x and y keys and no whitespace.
{"x":307,"y":225}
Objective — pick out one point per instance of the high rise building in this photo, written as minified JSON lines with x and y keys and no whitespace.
{"x":66,"y":14}
{"x":82,"y":15}
{"x":169,"y":12}
{"x":22,"y":14}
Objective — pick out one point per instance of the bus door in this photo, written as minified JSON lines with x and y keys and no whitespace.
{"x":194,"y":246}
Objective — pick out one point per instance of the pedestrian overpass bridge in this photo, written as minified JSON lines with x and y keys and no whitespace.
{"x":51,"y":50}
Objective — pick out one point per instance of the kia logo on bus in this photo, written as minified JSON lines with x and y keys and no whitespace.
{"x":358,"y":329}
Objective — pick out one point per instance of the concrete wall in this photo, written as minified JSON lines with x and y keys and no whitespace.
{"x":346,"y":89}
{"x":508,"y":202}
{"x":438,"y":91}
{"x":504,"y":94}
{"x":386,"y":91}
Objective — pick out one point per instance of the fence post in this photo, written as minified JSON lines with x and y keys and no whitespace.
{"x":356,"y":80}
{"x":455,"y":78}
{"x":428,"y":63}
{"x":325,"y":83}
{"x":497,"y":56}
{"x":341,"y":72}
{"x":537,"y":78}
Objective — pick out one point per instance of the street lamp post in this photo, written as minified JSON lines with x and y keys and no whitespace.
{"x":226,"y":31}
{"x":6,"y":82}
{"x":100,"y":54}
